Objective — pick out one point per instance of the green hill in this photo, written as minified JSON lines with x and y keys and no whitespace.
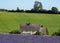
{"x":11,"y":21}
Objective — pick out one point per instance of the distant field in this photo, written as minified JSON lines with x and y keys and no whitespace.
{"x":11,"y":21}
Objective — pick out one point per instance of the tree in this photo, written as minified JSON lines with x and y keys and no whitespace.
{"x":58,"y":12}
{"x":54,"y":10}
{"x":17,"y":9}
{"x":37,"y":6}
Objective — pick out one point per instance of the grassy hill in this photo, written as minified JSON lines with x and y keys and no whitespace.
{"x":11,"y":21}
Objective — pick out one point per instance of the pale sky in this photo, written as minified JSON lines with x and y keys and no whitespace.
{"x":28,"y":4}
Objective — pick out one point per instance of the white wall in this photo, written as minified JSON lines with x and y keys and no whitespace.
{"x":29,"y":32}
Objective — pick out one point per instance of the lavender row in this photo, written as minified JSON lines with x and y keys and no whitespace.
{"x":9,"y":38}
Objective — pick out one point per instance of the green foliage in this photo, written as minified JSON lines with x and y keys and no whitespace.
{"x":37,"y":6}
{"x":54,"y":10}
{"x":37,"y":33}
{"x":15,"y":32}
{"x":56,"y":33}
{"x":17,"y":9}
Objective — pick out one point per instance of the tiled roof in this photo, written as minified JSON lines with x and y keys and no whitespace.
{"x":29,"y":27}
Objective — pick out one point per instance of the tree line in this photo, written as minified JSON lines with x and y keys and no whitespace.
{"x":37,"y":8}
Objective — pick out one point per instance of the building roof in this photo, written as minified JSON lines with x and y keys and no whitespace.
{"x":33,"y":27}
{"x":29,"y":26}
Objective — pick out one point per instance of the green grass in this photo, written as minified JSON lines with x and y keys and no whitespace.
{"x":11,"y":21}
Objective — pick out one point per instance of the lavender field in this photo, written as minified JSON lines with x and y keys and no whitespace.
{"x":9,"y":38}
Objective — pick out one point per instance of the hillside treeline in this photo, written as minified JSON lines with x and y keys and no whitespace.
{"x":37,"y":8}
{"x":32,"y":11}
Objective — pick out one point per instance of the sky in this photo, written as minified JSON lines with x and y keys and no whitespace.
{"x":28,"y":4}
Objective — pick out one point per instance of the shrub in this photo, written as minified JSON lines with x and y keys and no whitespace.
{"x":15,"y":32}
{"x":56,"y":33}
{"x":37,"y":33}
